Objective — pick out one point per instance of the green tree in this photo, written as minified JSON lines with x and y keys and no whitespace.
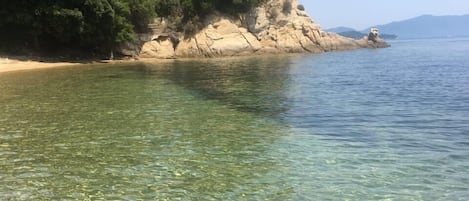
{"x":99,"y":26}
{"x":141,"y":13}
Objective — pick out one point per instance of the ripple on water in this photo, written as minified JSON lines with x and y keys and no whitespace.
{"x":359,"y":125}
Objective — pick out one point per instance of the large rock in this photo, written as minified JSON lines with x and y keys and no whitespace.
{"x":278,"y":26}
{"x":222,"y":37}
{"x":160,"y":46}
{"x":293,"y":30}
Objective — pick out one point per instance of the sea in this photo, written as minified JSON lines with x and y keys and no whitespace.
{"x":368,"y":124}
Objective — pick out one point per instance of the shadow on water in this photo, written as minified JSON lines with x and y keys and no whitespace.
{"x":182,"y":130}
{"x":335,"y":127}
{"x":252,"y":84}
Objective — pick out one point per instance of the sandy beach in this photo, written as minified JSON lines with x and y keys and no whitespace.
{"x":7,"y":64}
{"x":15,"y":64}
{"x":23,"y":64}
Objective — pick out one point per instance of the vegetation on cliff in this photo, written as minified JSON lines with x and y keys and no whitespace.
{"x":99,"y":26}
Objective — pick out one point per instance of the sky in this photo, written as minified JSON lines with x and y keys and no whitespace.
{"x":361,"y":14}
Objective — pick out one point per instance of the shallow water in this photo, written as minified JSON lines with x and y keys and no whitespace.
{"x":361,"y":125}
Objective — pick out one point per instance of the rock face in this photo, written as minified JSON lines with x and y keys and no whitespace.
{"x":160,"y":46}
{"x":221,"y":37}
{"x":279,"y":26}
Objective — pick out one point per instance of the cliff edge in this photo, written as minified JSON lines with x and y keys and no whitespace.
{"x":278,"y":26}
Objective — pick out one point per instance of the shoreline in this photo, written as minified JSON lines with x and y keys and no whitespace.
{"x":14,"y":64}
{"x":10,"y":65}
{"x":24,"y":63}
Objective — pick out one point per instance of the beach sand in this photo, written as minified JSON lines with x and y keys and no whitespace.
{"x":7,"y":64}
{"x":23,"y":64}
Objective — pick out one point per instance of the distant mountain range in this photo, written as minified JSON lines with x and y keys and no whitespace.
{"x":352,"y":33}
{"x":425,"y":26}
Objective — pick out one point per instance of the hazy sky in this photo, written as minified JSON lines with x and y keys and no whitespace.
{"x":360,"y":14}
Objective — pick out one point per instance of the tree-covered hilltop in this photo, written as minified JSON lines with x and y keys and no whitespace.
{"x":99,"y":26}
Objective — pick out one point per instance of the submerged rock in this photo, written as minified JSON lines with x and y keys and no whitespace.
{"x":278,"y":26}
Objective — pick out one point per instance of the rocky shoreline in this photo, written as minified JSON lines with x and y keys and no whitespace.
{"x":268,"y":29}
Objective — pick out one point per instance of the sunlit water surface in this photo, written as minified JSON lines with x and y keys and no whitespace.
{"x":385,"y":124}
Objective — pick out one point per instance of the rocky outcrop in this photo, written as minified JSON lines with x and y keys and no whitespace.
{"x":160,"y":46}
{"x":374,"y":40}
{"x":221,"y":37}
{"x":279,"y":26}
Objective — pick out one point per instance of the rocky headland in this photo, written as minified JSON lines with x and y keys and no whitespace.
{"x":278,"y":26}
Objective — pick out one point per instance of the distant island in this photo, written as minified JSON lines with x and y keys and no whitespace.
{"x":425,"y":26}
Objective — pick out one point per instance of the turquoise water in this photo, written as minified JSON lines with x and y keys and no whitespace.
{"x":384,"y":124}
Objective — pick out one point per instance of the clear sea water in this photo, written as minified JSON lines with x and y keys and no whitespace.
{"x":372,"y":124}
